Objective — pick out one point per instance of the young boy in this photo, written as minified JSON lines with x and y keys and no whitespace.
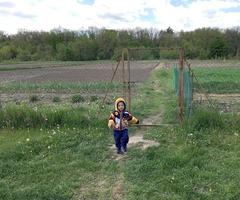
{"x":118,"y":121}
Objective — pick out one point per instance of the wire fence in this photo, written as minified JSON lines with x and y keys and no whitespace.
{"x":211,"y":84}
{"x":214,"y":83}
{"x":217,"y":83}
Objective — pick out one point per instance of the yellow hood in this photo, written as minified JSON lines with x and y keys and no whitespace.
{"x":117,"y":101}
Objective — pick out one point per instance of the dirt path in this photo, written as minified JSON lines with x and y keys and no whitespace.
{"x":135,"y":141}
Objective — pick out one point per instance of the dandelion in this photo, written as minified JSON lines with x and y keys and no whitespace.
{"x":54,"y":132}
{"x":236,"y":134}
{"x":49,"y":147}
{"x":27,"y":139}
{"x":40,"y":129}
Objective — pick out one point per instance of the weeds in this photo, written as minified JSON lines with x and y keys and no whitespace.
{"x":77,"y":98}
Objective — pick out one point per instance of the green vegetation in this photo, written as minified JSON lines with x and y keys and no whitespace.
{"x":157,"y":97}
{"x":94,"y":98}
{"x":56,"y":99}
{"x":217,"y":80}
{"x":187,"y":165}
{"x":11,"y":65}
{"x":77,"y":98}
{"x":24,"y":116}
{"x":104,"y":44}
{"x":68,"y":156}
{"x":51,"y":164}
{"x":33,"y":98}
{"x":59,"y":86}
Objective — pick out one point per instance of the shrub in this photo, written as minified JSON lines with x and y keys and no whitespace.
{"x":56,"y":99}
{"x":93,"y":98}
{"x":77,"y":98}
{"x":34,"y":98}
{"x":206,"y":119}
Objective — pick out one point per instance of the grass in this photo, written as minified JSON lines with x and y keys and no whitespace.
{"x":59,"y":86}
{"x":17,"y":65}
{"x":53,"y":158}
{"x":72,"y":160}
{"x":23,"y":116}
{"x":196,"y":161}
{"x":217,"y":80}
{"x":34,"y":98}
{"x":51,"y":164}
{"x":187,"y":165}
{"x":56,"y":99}
{"x":157,"y":96}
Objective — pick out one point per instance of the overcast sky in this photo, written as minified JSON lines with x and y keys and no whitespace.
{"x":117,"y":14}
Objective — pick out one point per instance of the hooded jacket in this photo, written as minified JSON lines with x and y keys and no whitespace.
{"x":119,"y":120}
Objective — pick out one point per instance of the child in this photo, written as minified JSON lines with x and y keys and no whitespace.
{"x":118,"y":121}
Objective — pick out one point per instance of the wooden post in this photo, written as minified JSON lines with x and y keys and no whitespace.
{"x":181,"y":86}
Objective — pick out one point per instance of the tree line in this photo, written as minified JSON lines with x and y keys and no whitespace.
{"x":101,"y":44}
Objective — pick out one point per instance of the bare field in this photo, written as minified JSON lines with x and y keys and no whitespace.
{"x":85,"y":72}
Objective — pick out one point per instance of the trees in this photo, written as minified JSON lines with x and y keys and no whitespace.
{"x":94,"y":43}
{"x":218,"y":48}
{"x":7,"y":52}
{"x":106,"y":43}
{"x":233,"y":40}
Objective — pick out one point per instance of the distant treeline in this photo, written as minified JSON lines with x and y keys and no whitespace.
{"x":101,"y":44}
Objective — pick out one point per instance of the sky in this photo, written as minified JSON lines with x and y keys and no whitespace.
{"x":180,"y":15}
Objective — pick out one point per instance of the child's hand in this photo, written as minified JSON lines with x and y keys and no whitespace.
{"x":112,"y":126}
{"x":117,"y":126}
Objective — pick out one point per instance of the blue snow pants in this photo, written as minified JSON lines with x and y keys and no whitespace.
{"x":121,"y":139}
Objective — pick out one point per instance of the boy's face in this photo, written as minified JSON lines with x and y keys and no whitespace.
{"x":121,"y":106}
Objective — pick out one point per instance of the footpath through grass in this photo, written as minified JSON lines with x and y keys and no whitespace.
{"x":63,"y":160}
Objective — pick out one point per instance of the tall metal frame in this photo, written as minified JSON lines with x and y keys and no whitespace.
{"x":126,"y":77}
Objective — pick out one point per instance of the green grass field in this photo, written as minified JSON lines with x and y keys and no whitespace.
{"x":217,"y":79}
{"x":63,"y":160}
{"x":59,"y":86}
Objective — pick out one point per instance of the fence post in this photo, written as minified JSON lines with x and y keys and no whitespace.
{"x":123,"y":74}
{"x":181,"y":86}
{"x":129,"y":81}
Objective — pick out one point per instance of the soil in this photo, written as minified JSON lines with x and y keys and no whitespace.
{"x":83,"y":73}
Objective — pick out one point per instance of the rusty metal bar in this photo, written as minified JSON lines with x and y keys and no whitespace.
{"x":160,"y":48}
{"x":123,"y":75}
{"x":136,"y":125}
{"x":129,"y":81}
{"x":114,"y":73}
